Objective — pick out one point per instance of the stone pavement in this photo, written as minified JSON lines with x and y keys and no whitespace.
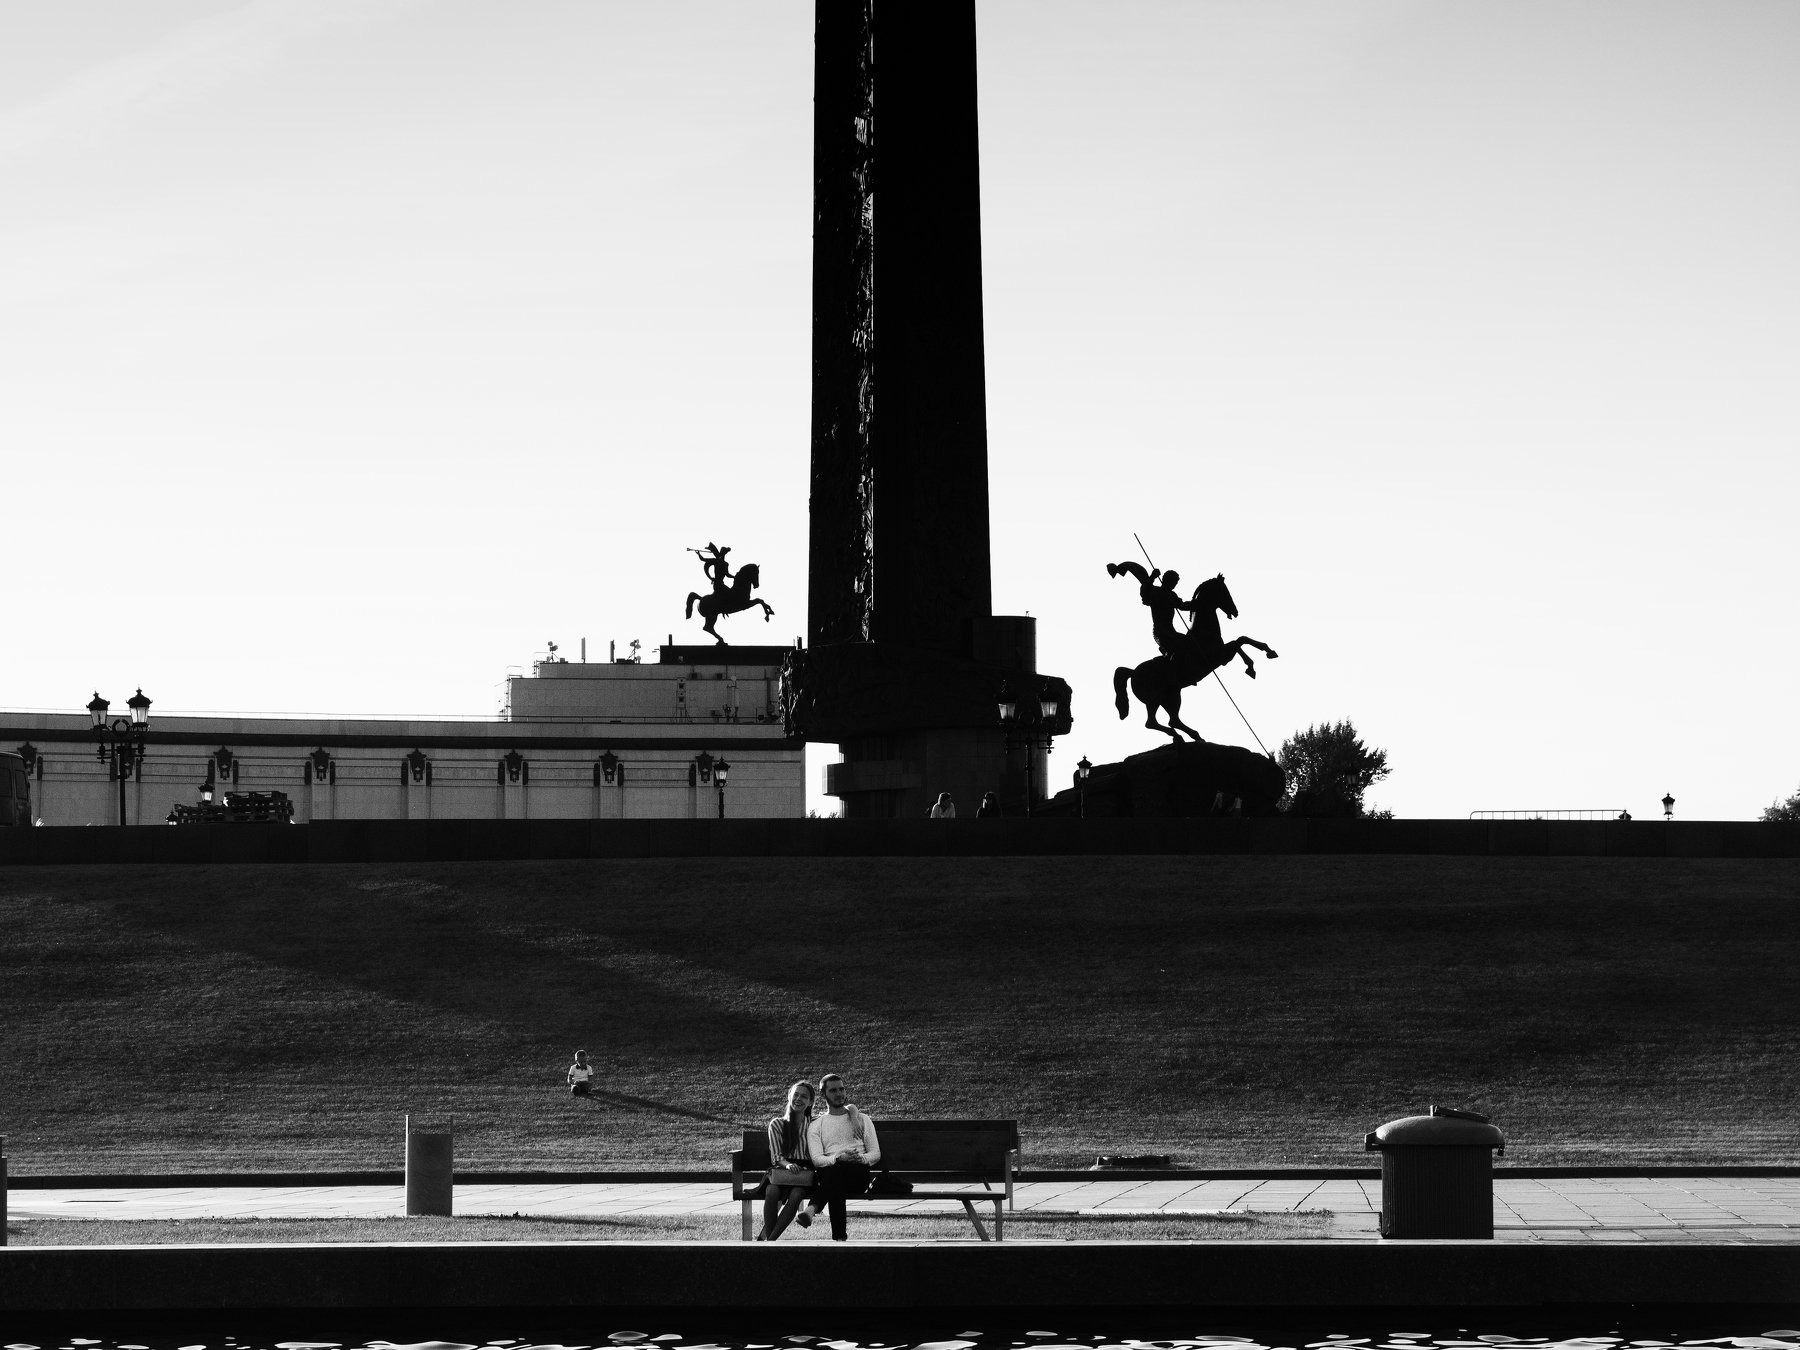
{"x":1552,"y":1209}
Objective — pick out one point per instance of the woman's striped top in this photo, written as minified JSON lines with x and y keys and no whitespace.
{"x":778,"y":1148}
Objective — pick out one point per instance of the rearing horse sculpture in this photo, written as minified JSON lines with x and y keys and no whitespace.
{"x":1159,"y":681}
{"x":730,"y":600}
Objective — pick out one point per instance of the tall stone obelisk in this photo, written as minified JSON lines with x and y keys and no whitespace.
{"x":905,"y":657}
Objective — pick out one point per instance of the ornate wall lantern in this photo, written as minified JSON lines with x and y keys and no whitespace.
{"x":227,"y":764}
{"x":33,"y":765}
{"x":704,"y":765}
{"x":419,"y":763}
{"x":607,"y":768}
{"x":1668,"y":807}
{"x":319,"y":767}
{"x":515,"y":767}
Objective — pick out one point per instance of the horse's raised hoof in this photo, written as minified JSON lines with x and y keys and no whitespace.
{"x":1272,"y":655}
{"x":1112,"y":569}
{"x":1250,"y":671}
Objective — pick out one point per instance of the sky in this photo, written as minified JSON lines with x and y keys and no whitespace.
{"x":351,"y":351}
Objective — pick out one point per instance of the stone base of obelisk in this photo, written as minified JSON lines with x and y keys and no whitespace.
{"x":913,"y":723}
{"x":900,"y":775}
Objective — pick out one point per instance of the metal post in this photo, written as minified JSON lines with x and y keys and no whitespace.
{"x":1030,"y":768}
{"x":429,"y":1170}
{"x":119,"y":773}
{"x":2,"y":1190}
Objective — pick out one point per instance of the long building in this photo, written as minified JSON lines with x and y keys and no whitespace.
{"x":576,"y":740}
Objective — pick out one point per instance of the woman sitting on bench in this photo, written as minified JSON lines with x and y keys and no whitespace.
{"x":790,"y":1169}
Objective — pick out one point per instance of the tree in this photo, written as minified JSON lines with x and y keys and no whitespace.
{"x":1788,"y":810}
{"x":1329,"y":769}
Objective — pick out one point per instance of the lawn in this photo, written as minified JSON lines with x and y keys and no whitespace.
{"x":865,"y":1226}
{"x":1229,"y":1011}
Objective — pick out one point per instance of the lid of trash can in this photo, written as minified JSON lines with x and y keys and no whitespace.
{"x":1445,"y":1127}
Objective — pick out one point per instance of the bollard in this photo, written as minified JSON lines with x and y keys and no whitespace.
{"x":428,"y":1170}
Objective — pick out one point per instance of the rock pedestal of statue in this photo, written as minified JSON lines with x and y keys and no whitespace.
{"x":1184,"y":779}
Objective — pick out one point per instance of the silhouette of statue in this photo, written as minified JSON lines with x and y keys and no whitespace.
{"x":1162,"y":598}
{"x":1186,"y":658}
{"x":712,"y":562}
{"x":725,"y":598}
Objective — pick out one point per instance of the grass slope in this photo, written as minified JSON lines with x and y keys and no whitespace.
{"x":1231,"y":1011}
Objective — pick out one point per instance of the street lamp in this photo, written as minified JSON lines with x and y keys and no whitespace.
{"x":1033,"y":719}
{"x":721,"y":771}
{"x":206,"y":793}
{"x":1668,"y":807}
{"x":120,"y":742}
{"x":1082,"y":770}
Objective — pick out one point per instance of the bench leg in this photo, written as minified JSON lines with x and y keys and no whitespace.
{"x":999,"y":1222}
{"x":747,"y":1234}
{"x":974,"y":1218}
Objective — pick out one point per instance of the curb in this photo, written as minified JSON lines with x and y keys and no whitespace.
{"x":396,"y":1177}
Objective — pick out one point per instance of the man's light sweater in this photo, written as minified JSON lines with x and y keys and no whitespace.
{"x":830,"y":1135}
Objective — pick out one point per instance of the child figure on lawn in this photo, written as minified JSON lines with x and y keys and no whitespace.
{"x":579,"y":1074}
{"x":844,"y":1149}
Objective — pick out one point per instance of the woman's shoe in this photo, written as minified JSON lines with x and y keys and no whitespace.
{"x":803,"y":1218}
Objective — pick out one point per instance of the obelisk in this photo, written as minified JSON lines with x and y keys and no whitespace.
{"x":899,"y":425}
{"x":905,"y":657}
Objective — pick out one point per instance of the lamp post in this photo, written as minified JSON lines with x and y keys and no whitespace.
{"x":721,"y":771}
{"x":1031,"y":718}
{"x":1082,"y":770}
{"x":120,"y":741}
{"x":1668,"y":807}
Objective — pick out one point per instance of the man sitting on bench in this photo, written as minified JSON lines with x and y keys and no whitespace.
{"x":844,"y":1148}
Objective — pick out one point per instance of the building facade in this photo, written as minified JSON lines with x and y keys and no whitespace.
{"x":610,"y":740}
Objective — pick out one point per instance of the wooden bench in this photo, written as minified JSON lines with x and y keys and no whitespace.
{"x":931,"y":1154}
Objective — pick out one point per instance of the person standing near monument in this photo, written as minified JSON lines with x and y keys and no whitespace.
{"x":844,"y":1149}
{"x":944,"y":808}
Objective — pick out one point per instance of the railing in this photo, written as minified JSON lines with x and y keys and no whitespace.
{"x":1560,"y":813}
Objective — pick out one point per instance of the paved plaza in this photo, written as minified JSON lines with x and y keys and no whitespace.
{"x":1558,"y":1209}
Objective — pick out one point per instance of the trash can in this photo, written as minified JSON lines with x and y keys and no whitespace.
{"x":1437,"y":1174}
{"x":429,"y":1162}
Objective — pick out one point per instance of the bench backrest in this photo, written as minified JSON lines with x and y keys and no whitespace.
{"x":934,"y":1146}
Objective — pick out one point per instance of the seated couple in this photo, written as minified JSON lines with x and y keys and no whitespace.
{"x":838,"y":1147}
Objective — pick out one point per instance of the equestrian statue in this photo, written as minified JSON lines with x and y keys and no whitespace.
{"x":730,"y":591}
{"x":1186,"y":658}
